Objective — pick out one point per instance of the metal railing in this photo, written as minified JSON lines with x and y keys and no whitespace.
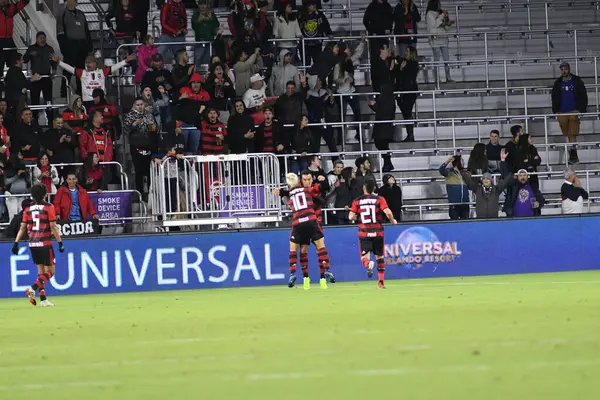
{"x":69,"y":166}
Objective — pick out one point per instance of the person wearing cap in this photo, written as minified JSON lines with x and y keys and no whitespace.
{"x":314,"y":26}
{"x":38,"y":55}
{"x":286,"y":27}
{"x":572,"y":193}
{"x":8,"y":11}
{"x":255,"y":97}
{"x":205,"y":25}
{"x":523,"y":200}
{"x":112,"y":122}
{"x":173,"y":22}
{"x":244,"y":68}
{"x":192,"y":102}
{"x":92,"y":77}
{"x":487,"y":194}
{"x":158,"y":76}
{"x":569,"y":96}
{"x":283,"y":72}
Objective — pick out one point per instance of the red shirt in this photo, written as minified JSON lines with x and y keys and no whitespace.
{"x":301,"y":203}
{"x":369,"y":209}
{"x":38,"y":217}
{"x":315,"y":191}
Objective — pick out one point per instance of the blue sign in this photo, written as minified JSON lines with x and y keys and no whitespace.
{"x":195,"y":261}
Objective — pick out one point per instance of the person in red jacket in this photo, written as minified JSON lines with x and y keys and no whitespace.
{"x":173,"y":22}
{"x":96,"y":139}
{"x":8,"y":11}
{"x":72,"y":202}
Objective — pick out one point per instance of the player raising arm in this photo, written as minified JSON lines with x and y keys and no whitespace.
{"x":40,"y":221}
{"x":369,"y":209}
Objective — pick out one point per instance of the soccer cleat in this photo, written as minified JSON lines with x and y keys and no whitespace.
{"x":329,"y":276}
{"x":31,"y":294}
{"x":323,"y":283}
{"x":381,"y":285}
{"x":292,"y":281}
{"x":370,"y":269}
{"x":46,"y":303}
{"x":306,"y":283}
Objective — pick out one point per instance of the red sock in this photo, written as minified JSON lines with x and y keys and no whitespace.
{"x":365,"y":261}
{"x":380,"y":269}
{"x":323,"y":258}
{"x":293,"y":261}
{"x":304,"y":264}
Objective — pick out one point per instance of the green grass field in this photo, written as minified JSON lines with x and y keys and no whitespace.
{"x":523,"y":336}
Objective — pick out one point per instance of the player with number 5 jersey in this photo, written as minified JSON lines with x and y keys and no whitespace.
{"x":40,"y":221}
{"x":370,"y":210}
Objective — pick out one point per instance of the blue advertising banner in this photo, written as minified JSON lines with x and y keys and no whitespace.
{"x":195,"y":261}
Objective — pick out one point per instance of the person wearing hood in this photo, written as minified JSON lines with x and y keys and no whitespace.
{"x":193,"y":100}
{"x":182,"y":71}
{"x":523,"y":200}
{"x":378,"y":20}
{"x":112,"y":122}
{"x":96,"y":139}
{"x":244,"y":68}
{"x":241,"y":135}
{"x":140,"y":127}
{"x":76,"y":116}
{"x":145,"y":52}
{"x":214,"y":134}
{"x":221,"y":90}
{"x":287,"y":27}
{"x":283,"y":73}
{"x":487,"y":195}
{"x":456,"y":188}
{"x":392,"y":193}
{"x":363,"y":173}
{"x":25,"y":137}
{"x":255,"y":98}
{"x":158,"y":76}
{"x":314,"y":25}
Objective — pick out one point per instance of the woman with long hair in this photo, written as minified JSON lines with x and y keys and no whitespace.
{"x":406,"y":72}
{"x":438,"y":24}
{"x":144,"y":58}
{"x":287,"y":27}
{"x":46,"y":174}
{"x":91,"y":175}
{"x":478,"y":162}
{"x":75,"y":118}
{"x":406,"y":17}
{"x":383,"y":133}
{"x":221,"y":90}
{"x":528,"y":158}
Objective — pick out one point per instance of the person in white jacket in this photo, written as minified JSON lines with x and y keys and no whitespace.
{"x":286,"y":27}
{"x":438,"y":23}
{"x":283,"y":73}
{"x":46,"y":174}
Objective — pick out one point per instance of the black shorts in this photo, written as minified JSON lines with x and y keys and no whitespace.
{"x":372,"y":245}
{"x":42,"y":255}
{"x":306,"y":232}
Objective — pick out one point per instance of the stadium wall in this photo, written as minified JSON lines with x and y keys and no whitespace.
{"x":255,"y":258}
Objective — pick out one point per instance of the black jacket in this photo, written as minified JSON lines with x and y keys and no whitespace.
{"x":385,"y":110}
{"x":511,"y":198}
{"x":40,"y":59}
{"x":15,"y":81}
{"x":23,"y":135}
{"x":290,"y":109}
{"x":393,"y":196}
{"x":62,"y":153}
{"x":154,"y":78}
{"x":128,"y":21}
{"x":399,"y":18}
{"x":359,"y":182}
{"x":325,"y":64}
{"x":380,"y":73}
{"x":581,"y":97}
{"x":406,"y":79}
{"x":303,"y":140}
{"x":237,"y":126}
{"x":379,"y":18}
{"x":181,"y":76}
{"x":220,"y":95}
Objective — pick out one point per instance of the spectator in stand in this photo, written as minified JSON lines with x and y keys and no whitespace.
{"x":221,"y":91}
{"x":317,"y":74}
{"x":17,"y":85}
{"x":72,"y":202}
{"x":15,"y":222}
{"x":127,"y":18}
{"x":511,"y":148}
{"x":60,"y":144}
{"x":572,"y":193}
{"x":343,"y":196}
{"x":302,"y":144}
{"x":528,"y":159}
{"x":213,"y":134}
{"x":267,"y":135}
{"x":173,"y":22}
{"x":363,"y":172}
{"x":569,"y":96}
{"x":523,"y":200}
{"x":378,"y":20}
{"x":8,"y":11}
{"x":456,"y":188}
{"x":246,"y":37}
{"x":224,"y":49}
{"x":75,"y":118}
{"x":205,"y":26}
{"x":75,"y":40}
{"x":343,"y":76}
{"x":158,"y":106}
{"x":25,"y":138}
{"x":142,"y":7}
{"x":438,"y":23}
{"x":145,"y":52}
{"x":158,"y":76}
{"x":140,"y":126}
{"x":406,"y":71}
{"x":284,"y":72}
{"x":96,"y":139}
{"x":487,"y":194}
{"x":383,"y":133}
{"x":183,"y":71}
{"x":478,"y":161}
{"x":38,"y":55}
{"x":4,"y":141}
{"x":92,"y":77}
{"x":333,"y":178}
{"x":193,"y":100}
{"x":492,"y":150}
{"x":244,"y":68}
{"x":9,"y":116}
{"x":242,"y":11}
{"x":17,"y":180}
{"x":392,"y":194}
{"x":111,"y":120}
{"x":175,"y":140}
{"x":287,"y":27}
{"x":241,"y":135}
{"x":319,"y":112}
{"x":314,"y":27}
{"x":255,"y":98}
{"x":46,"y":174}
{"x":381,"y":69}
{"x":91,"y":175}
{"x":290,"y":106}
{"x":406,"y":17}
{"x":314,"y":166}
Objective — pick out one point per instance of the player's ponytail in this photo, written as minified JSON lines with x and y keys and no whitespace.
{"x":291,"y":179}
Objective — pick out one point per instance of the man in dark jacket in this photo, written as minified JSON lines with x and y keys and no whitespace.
{"x":493,"y":149}
{"x":392,"y":194}
{"x":60,"y":144}
{"x":487,"y":194}
{"x":38,"y":55}
{"x":380,"y":68}
{"x":511,"y":147}
{"x":406,"y":17}
{"x":157,"y":76}
{"x":290,"y":106}
{"x":378,"y":19}
{"x":8,"y":12}
{"x":182,"y":71}
{"x":363,"y":172}
{"x":25,"y":137}
{"x":569,"y":96}
{"x":240,"y":130}
{"x":523,"y":200}
{"x":17,"y":84}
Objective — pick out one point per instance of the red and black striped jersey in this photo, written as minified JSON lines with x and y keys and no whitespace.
{"x":302,"y":205}
{"x":209,"y":142}
{"x":316,"y":191}
{"x":369,"y":209}
{"x":268,"y":142}
{"x":38,"y":217}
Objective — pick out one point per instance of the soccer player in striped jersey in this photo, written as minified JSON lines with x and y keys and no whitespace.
{"x":370,"y":209}
{"x":40,"y":221}
{"x":305,"y":229}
